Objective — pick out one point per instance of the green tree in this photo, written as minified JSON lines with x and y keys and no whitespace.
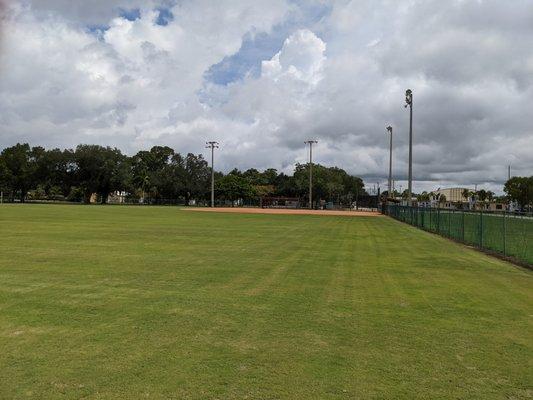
{"x":329,"y":183}
{"x":482,"y":195}
{"x":197,"y":177}
{"x":269,"y":176}
{"x":100,"y":170}
{"x":253,"y":176}
{"x":520,"y":190}
{"x":18,"y":170}
{"x":5,"y":177}
{"x":234,"y":187}
{"x":153,"y":173}
{"x":424,"y":196}
{"x":53,"y":171}
{"x":285,"y":186}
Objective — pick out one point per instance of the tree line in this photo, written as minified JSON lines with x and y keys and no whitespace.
{"x":151,"y":176}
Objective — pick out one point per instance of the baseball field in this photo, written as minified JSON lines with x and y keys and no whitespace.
{"x":117,"y":302}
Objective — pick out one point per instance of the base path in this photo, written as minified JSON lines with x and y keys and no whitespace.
{"x":284,"y":211}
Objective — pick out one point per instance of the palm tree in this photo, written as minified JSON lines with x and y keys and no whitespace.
{"x":466,"y":194}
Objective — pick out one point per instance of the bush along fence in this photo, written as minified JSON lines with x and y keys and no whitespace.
{"x":507,"y":233}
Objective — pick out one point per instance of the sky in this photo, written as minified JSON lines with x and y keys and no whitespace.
{"x":262,"y":77}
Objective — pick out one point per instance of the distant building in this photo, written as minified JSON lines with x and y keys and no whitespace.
{"x":452,"y":195}
{"x":453,"y":198}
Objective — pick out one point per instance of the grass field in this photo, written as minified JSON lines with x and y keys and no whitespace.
{"x":145,"y":302}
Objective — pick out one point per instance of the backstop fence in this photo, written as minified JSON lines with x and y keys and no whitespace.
{"x":507,"y":233}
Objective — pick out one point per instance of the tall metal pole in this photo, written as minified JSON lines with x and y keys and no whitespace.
{"x":409,"y":102}
{"x":310,"y":175}
{"x":310,"y":143}
{"x":389,"y":129}
{"x":212,"y":145}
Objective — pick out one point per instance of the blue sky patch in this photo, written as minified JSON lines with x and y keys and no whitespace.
{"x":165,"y":16}
{"x":97,"y":29}
{"x":247,"y":60}
{"x":262,"y":46}
{"x":131,"y":14}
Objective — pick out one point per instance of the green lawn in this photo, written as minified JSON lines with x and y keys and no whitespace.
{"x":118,"y":302}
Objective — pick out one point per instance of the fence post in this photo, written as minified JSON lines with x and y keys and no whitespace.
{"x":438,"y":219}
{"x":481,"y":229}
{"x":463,"y":211}
{"x":504,"y":235}
{"x":450,"y":223}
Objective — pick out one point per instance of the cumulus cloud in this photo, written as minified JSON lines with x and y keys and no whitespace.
{"x":116,"y":72}
{"x":301,"y":57}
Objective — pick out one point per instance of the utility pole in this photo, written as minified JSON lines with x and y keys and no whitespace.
{"x":389,"y":129}
{"x":509,"y":173}
{"x":310,"y":143}
{"x":212,"y":145}
{"x":409,"y":103}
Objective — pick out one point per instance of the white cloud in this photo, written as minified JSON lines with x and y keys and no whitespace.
{"x":301,"y":57}
{"x":120,"y":85}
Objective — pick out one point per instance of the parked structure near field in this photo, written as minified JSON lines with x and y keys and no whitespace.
{"x":280,"y":202}
{"x":117,"y":197}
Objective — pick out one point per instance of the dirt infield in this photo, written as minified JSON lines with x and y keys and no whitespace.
{"x":285,"y":211}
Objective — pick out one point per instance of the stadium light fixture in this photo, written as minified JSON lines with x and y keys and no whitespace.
{"x":310,"y":143}
{"x":389,"y":129}
{"x":212,"y":145}
{"x":409,"y":103}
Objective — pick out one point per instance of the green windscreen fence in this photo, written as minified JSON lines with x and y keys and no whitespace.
{"x":510,"y":234}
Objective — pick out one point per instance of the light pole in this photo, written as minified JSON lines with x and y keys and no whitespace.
{"x":389,"y":129}
{"x":409,"y":103}
{"x":310,"y":143}
{"x":212,"y":145}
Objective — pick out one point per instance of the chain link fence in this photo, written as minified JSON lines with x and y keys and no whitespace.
{"x":507,"y":233}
